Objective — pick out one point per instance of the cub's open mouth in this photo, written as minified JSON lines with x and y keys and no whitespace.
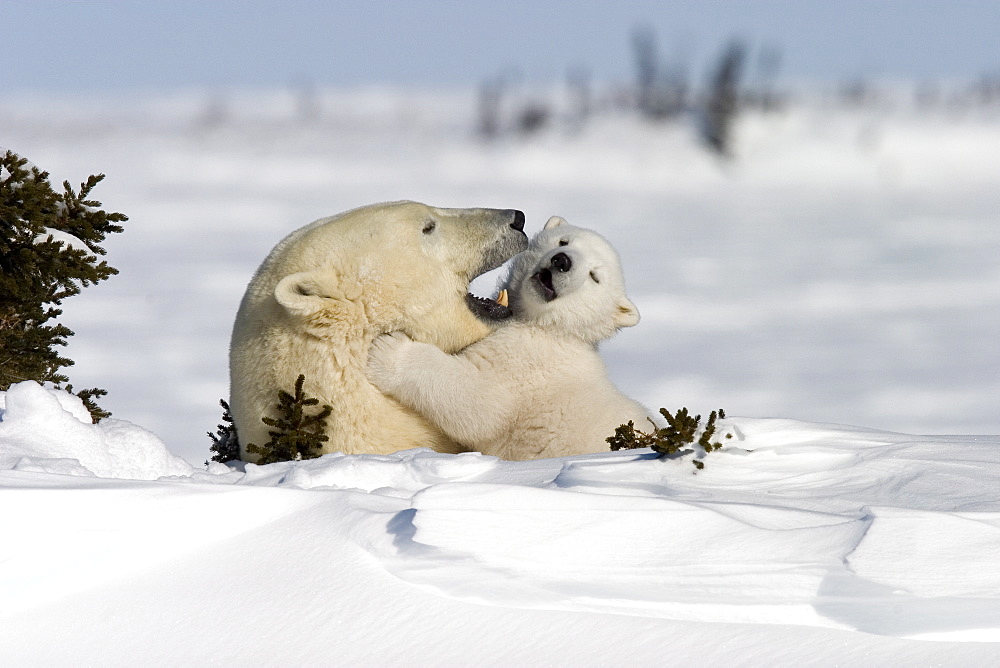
{"x":544,"y":280}
{"x":489,"y":309}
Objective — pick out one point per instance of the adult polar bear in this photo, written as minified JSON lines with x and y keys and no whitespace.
{"x":328,"y":289}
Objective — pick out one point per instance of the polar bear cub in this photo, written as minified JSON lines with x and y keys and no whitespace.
{"x":536,"y":387}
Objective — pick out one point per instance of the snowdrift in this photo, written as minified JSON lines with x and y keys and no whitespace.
{"x":51,"y":431}
{"x":797,"y":541}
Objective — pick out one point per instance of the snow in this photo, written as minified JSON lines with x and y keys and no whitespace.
{"x":68,"y":240}
{"x":40,"y":425}
{"x":840,"y":270}
{"x":798,"y":542}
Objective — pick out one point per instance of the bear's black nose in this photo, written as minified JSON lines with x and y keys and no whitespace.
{"x":561,"y":262}
{"x":518,"y":223}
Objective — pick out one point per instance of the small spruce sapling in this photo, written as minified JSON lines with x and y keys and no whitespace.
{"x":680,"y":431}
{"x":225,"y":441}
{"x":49,"y":248}
{"x":297,"y":435}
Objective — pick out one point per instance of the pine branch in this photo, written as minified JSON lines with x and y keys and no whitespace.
{"x":88,"y":398}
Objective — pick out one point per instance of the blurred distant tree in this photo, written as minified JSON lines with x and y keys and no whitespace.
{"x":986,"y":91}
{"x":646,"y":65}
{"x":533,"y":117}
{"x":580,"y":97}
{"x":307,"y":103}
{"x":216,"y":112}
{"x":49,"y":244}
{"x":723,"y":98}
{"x":859,"y":93}
{"x":490,"y":96}
{"x":928,"y":95}
{"x":660,"y":93}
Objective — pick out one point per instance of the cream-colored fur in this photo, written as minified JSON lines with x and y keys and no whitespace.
{"x":537,"y":386}
{"x":328,"y":289}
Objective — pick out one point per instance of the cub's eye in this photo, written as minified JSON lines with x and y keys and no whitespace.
{"x":429,"y":226}
{"x":593,"y":275}
{"x":564,"y":242}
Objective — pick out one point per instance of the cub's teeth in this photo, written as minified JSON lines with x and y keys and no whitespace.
{"x":502,"y":298}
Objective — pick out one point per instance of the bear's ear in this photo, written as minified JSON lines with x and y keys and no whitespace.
{"x":626,"y":314}
{"x":301,"y":294}
{"x":554,"y":221}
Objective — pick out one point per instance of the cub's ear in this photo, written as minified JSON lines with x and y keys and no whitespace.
{"x":554,"y":221}
{"x":626,"y":314}
{"x":301,"y":294}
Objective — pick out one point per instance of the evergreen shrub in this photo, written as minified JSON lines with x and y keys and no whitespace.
{"x":49,"y":249}
{"x":681,"y":431}
{"x":297,"y":434}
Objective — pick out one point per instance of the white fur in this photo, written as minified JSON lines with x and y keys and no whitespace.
{"x":328,"y":289}
{"x":536,"y":387}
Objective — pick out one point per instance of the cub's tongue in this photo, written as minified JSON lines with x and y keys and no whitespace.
{"x":544,"y":278}
{"x":489,"y":309}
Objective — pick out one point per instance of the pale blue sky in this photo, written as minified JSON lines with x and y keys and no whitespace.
{"x":47,"y":45}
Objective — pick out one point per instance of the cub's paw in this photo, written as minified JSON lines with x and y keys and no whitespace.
{"x":385,"y":359}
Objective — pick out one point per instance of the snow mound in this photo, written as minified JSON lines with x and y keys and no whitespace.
{"x":50,"y":431}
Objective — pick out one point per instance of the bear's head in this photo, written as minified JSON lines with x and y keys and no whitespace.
{"x":399,"y":266}
{"x":570,"y":279}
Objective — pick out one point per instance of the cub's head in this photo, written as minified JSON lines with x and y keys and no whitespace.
{"x":571,"y":279}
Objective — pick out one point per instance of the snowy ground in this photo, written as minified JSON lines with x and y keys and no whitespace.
{"x":841,"y":270}
{"x":796,"y":544}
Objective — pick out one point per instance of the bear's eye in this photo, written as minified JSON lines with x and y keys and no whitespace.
{"x":593,"y":275}
{"x":564,"y":242}
{"x":429,"y":226}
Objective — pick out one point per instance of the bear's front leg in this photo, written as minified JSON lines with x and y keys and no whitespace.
{"x":468,"y":403}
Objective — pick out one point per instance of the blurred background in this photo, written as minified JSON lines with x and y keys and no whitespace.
{"x":806,"y":195}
